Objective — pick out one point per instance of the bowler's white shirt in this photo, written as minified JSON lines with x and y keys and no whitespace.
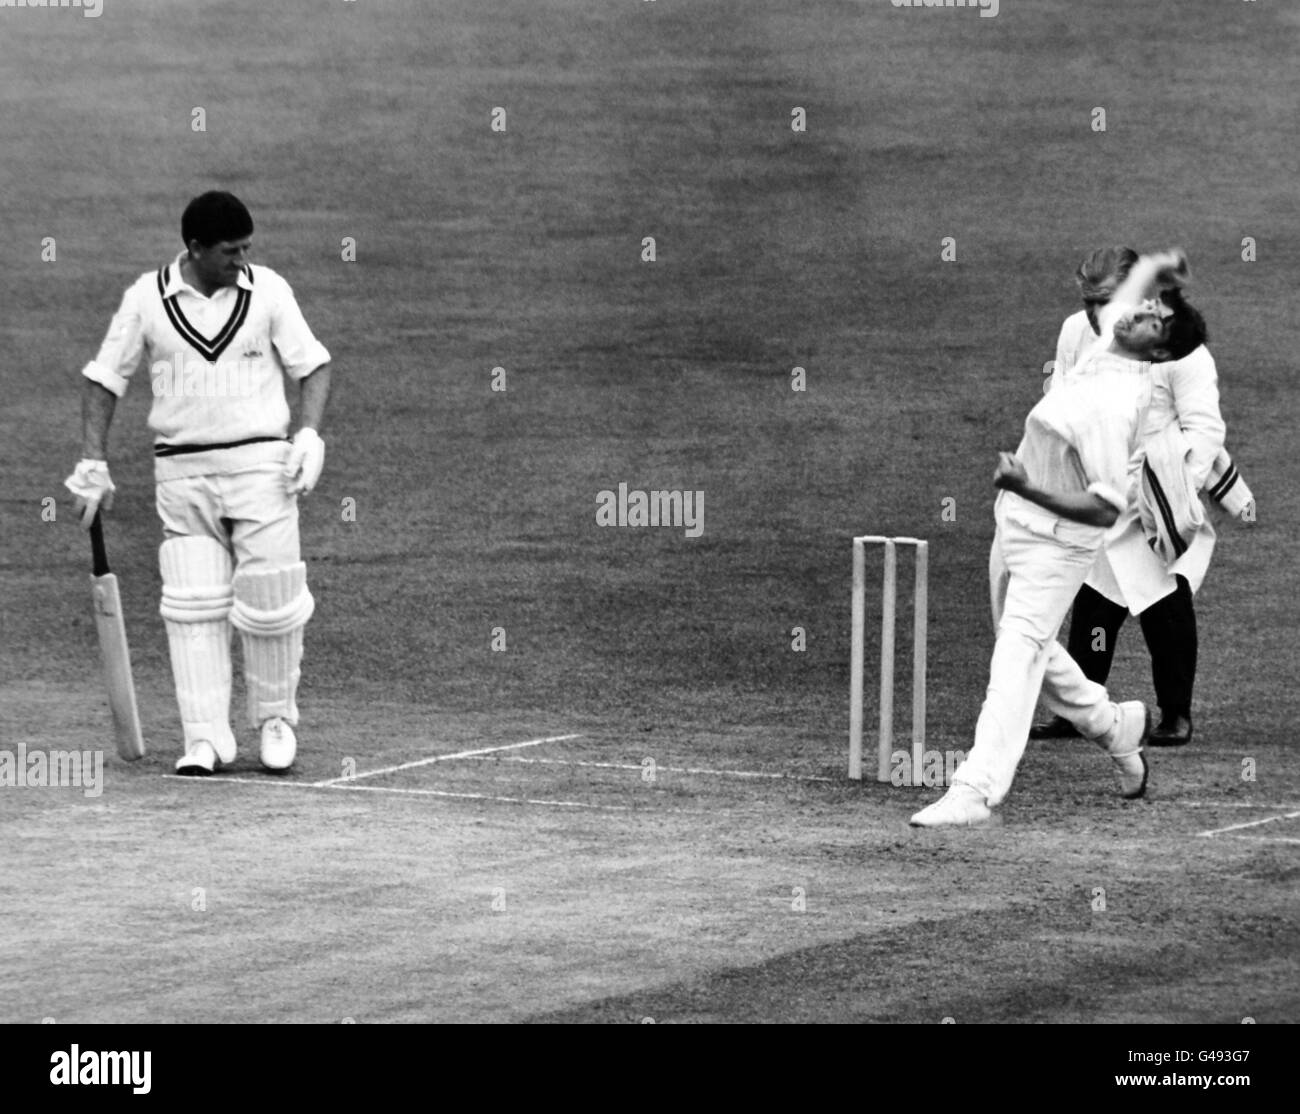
{"x":216,"y":363}
{"x":1185,"y":391}
{"x":1081,"y":434}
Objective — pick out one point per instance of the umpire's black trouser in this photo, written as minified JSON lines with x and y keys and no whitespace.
{"x":1169,"y":626}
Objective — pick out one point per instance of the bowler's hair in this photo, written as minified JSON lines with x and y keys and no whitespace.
{"x":215,"y":217}
{"x":1185,"y":330}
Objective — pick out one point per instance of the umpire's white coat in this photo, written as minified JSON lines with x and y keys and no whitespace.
{"x":1127,"y":571}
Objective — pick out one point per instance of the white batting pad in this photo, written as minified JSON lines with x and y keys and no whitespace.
{"x":196,"y":601}
{"x":270,"y":609}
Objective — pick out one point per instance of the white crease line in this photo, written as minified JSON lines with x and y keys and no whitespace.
{"x":473,"y":796}
{"x":1233,"y":804}
{"x":1266,"y":839}
{"x":277,"y":784}
{"x":1249,"y":824}
{"x":666,"y":769}
{"x":271,"y":780}
{"x":441,"y":758}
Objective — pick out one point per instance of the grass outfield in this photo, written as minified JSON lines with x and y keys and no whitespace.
{"x":674,"y":897}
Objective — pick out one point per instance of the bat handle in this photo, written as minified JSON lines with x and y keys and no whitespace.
{"x":99,"y":553}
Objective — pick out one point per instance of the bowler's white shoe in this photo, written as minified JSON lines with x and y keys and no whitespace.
{"x":199,"y":761}
{"x":1124,"y":744}
{"x":278,"y":744}
{"x":961,"y":806}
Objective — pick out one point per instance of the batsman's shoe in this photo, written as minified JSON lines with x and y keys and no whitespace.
{"x":199,"y":761}
{"x":1124,"y":744}
{"x":961,"y":806}
{"x":278,"y":744}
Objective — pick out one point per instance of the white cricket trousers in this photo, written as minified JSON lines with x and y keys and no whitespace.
{"x":238,"y":497}
{"x":1036,"y":567}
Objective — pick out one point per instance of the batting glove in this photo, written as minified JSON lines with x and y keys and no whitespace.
{"x":306,"y":459}
{"x":93,"y":489}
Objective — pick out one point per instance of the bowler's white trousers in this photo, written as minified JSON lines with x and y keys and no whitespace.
{"x":1036,"y":567}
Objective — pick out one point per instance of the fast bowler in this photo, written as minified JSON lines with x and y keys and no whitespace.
{"x":1065,"y":486}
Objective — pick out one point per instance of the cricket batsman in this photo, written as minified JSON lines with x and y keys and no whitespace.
{"x":219,"y":335}
{"x":1066,"y":485}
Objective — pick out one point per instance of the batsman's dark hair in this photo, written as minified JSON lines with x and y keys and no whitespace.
{"x":214,"y":217}
{"x":1186,"y":330}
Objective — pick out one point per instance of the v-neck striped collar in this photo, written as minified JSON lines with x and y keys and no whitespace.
{"x":171,"y":285}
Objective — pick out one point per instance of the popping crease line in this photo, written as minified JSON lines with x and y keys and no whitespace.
{"x":442,"y":758}
{"x":1249,"y":824}
{"x":665,"y":769}
{"x":273,"y":784}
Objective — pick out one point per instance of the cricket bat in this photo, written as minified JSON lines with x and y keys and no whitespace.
{"x":113,"y":647}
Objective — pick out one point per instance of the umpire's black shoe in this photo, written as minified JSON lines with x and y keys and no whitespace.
{"x":1171,"y":731}
{"x":1058,"y":727}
